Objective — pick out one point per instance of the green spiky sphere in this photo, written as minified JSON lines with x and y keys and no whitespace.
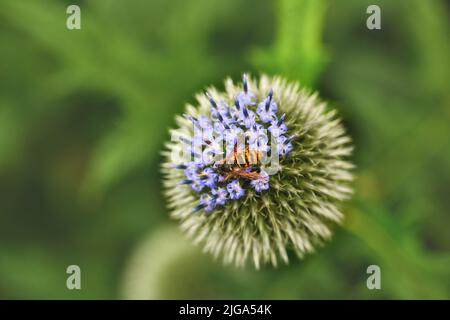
{"x":304,"y":197}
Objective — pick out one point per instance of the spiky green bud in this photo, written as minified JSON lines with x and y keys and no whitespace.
{"x":300,"y":201}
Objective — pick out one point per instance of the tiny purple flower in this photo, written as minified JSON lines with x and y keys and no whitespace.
{"x":234,"y":190}
{"x":284,"y":145}
{"x":197,"y":184}
{"x":247,"y":117}
{"x":207,"y":201}
{"x":204,"y":123}
{"x":209,"y":155}
{"x":267,"y":109}
{"x":221,"y":110}
{"x":233,"y":135}
{"x":278,"y":128}
{"x":262,"y":183}
{"x":190,"y":172}
{"x":221,"y":195}
{"x":246,"y":98}
{"x":209,"y":177}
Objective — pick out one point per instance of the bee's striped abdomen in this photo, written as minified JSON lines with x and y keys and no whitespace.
{"x":252,"y":156}
{"x":241,"y":158}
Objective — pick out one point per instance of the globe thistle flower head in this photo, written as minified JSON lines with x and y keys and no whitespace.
{"x":257,"y":170}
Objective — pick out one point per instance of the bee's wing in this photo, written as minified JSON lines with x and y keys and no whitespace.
{"x":250,"y":175}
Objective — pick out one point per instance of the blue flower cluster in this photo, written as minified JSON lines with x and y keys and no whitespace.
{"x":240,"y":129}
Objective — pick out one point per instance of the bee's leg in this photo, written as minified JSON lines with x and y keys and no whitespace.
{"x":228,"y":176}
{"x":251,"y":175}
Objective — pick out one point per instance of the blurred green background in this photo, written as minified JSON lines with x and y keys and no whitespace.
{"x":84,"y":115}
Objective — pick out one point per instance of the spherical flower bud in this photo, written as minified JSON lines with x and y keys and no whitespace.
{"x":265,"y":171}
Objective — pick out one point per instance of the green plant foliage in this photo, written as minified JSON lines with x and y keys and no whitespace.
{"x":297,"y":51}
